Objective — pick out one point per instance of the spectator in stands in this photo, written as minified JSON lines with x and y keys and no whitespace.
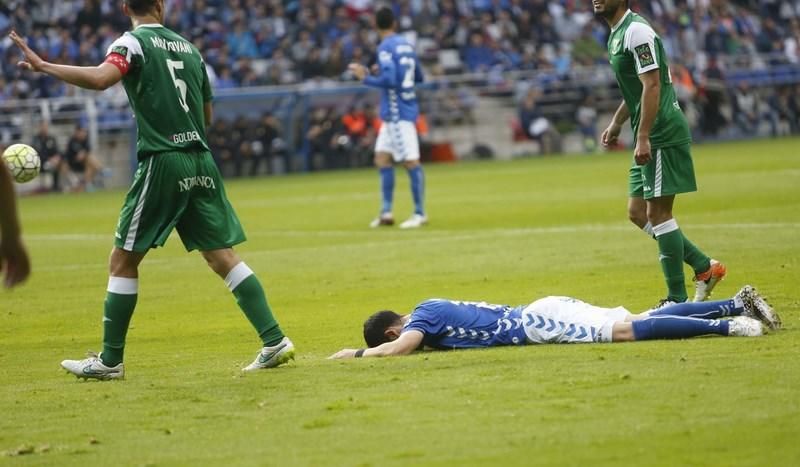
{"x":536,"y":124}
{"x":745,"y":109}
{"x":241,"y":41}
{"x":586,"y":50}
{"x":787,"y":106}
{"x":321,"y":137}
{"x":478,"y":56}
{"x":52,"y":160}
{"x":220,"y":143}
{"x":80,"y":159}
{"x":241,"y":137}
{"x":268,"y":133}
{"x":712,"y":96}
{"x":361,"y":124}
{"x":225,"y":79}
{"x":586,"y":116}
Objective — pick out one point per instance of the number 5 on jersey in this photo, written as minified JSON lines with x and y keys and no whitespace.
{"x":179,"y":83}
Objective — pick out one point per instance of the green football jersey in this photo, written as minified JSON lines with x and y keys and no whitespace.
{"x":167,"y":86}
{"x":634,"y":48}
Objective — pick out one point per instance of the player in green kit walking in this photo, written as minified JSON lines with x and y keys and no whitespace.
{"x":662,"y":165}
{"x":176,"y":185}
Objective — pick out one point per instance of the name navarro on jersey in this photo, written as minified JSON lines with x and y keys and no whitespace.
{"x":203,"y":181}
{"x":171,"y":46}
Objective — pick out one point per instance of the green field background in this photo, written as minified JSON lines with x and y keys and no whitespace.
{"x":504,"y":232}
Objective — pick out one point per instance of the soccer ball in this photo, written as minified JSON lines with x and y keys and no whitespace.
{"x":23,"y":162}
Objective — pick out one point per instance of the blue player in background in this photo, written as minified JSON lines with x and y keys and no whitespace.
{"x":397,"y":75}
{"x":450,"y":324}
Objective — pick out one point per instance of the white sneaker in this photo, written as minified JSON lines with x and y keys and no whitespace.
{"x":755,"y":306}
{"x":414,"y":222}
{"x":92,"y":367}
{"x":270,"y":357}
{"x":744,"y":326}
{"x":384,"y":220}
{"x":704,"y":283}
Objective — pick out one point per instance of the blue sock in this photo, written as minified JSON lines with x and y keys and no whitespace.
{"x":677,"y":327}
{"x":387,"y":188}
{"x":704,"y":310}
{"x":417,"y":178}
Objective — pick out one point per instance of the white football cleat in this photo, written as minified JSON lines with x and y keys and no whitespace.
{"x":744,"y":326}
{"x":755,"y":306}
{"x":93,"y":368}
{"x":704,"y":283}
{"x":386,"y":219}
{"x":270,"y":357}
{"x":414,"y":222}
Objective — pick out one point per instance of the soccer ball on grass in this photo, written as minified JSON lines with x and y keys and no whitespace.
{"x":22,"y":161}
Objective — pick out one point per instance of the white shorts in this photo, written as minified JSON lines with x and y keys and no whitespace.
{"x":398,"y":139}
{"x":569,"y":320}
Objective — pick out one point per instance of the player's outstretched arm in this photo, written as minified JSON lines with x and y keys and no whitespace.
{"x":386,"y":76}
{"x":408,"y":342}
{"x":98,"y":78}
{"x":13,"y":256}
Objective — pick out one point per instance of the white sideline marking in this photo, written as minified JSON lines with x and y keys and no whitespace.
{"x":436,"y":234}
{"x":400,"y":240}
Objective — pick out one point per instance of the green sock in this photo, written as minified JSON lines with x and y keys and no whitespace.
{"x":251,"y":299}
{"x":694,"y":257}
{"x":670,"y":248}
{"x":119,"y":305}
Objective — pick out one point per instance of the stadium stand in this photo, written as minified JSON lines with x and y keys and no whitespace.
{"x":473,"y":50}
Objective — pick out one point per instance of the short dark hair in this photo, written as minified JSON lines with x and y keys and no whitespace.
{"x":384,"y":18}
{"x":141,"y":7}
{"x":376,"y":325}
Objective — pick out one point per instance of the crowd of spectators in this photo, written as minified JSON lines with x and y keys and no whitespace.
{"x":281,"y":42}
{"x":270,"y":42}
{"x":246,"y":146}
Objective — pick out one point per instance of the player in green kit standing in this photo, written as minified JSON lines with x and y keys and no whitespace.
{"x":176,"y":185}
{"x":662,"y":165}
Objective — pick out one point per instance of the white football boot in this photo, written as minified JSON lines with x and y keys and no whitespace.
{"x":755,"y":306}
{"x":270,"y":357}
{"x":414,"y":222}
{"x":744,"y":326}
{"x":386,"y":219}
{"x":93,"y":368}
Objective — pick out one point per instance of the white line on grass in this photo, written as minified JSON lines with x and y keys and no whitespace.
{"x":428,"y":237}
{"x":578,"y":228}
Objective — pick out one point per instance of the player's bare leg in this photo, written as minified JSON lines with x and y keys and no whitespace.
{"x":121,"y":296}
{"x":637,"y":213}
{"x":383,"y":161}
{"x":245,"y":286}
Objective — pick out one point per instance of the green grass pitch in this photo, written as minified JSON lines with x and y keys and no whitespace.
{"x":502,"y":232}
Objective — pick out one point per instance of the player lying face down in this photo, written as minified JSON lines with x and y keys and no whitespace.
{"x":452,"y":324}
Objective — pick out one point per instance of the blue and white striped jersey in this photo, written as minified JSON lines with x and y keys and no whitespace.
{"x":451,"y":324}
{"x":399,"y":73}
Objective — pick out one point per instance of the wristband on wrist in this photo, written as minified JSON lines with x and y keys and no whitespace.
{"x":359,"y":353}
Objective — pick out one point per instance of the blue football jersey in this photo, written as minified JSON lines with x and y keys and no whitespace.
{"x":399,"y":73}
{"x":451,"y":324}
